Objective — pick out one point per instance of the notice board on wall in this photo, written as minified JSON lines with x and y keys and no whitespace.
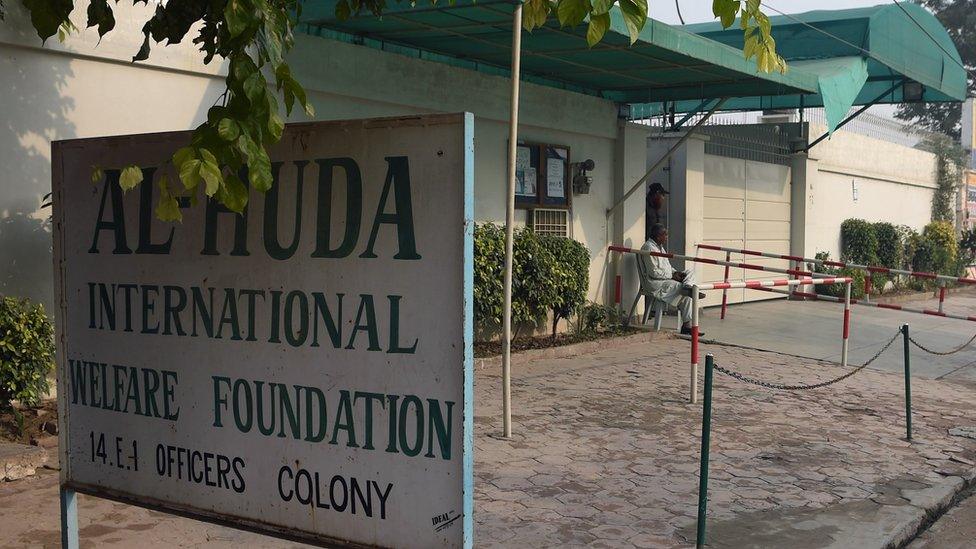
{"x":302,"y":369}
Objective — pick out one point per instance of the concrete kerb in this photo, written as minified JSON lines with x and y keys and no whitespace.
{"x":567,"y":351}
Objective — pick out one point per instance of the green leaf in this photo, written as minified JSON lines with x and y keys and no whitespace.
{"x":597,"y":28}
{"x":130,"y":177}
{"x":228,"y":129}
{"x":183,"y":155}
{"x":190,"y":173}
{"x":168,"y":209}
{"x":275,"y":125}
{"x":635,"y":16}
{"x":97,"y":174}
{"x":259,"y":170}
{"x":47,"y":16}
{"x":233,"y":194}
{"x":535,"y":13}
{"x":237,"y":16}
{"x":254,"y":87}
{"x":211,"y":175}
{"x":572,"y":12}
{"x":100,"y":13}
{"x":602,"y":6}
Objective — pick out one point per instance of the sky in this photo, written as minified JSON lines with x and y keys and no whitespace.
{"x":699,"y":11}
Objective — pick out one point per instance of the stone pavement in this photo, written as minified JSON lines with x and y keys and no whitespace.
{"x":606,"y":454}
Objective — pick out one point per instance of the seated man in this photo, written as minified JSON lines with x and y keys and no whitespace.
{"x":670,"y":286}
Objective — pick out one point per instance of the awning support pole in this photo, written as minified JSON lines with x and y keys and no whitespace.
{"x":657,"y":165}
{"x":510,"y":225}
{"x":677,"y":125}
{"x":853,"y":116}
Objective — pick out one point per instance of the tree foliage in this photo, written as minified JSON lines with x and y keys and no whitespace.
{"x":228,"y":152}
{"x":949,"y":166}
{"x":959,"y":19}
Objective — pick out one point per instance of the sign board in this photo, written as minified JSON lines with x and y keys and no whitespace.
{"x":304,"y":369}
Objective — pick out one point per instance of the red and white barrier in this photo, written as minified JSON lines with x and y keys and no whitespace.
{"x":893,"y":307}
{"x":805,"y":278}
{"x":708,"y":261}
{"x":841,"y":264}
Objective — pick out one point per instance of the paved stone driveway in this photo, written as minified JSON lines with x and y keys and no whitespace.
{"x":605,"y":452}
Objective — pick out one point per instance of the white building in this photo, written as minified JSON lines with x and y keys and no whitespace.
{"x":87,"y":88}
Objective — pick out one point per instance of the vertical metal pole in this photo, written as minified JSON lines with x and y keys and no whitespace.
{"x":69,"y":519}
{"x":705,"y":443}
{"x":942,"y":294}
{"x":725,"y":291}
{"x":847,"y":324}
{"x":694,"y":344}
{"x":510,"y":224}
{"x":908,"y":383}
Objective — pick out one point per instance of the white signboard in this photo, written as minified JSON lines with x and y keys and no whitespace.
{"x":303,"y":369}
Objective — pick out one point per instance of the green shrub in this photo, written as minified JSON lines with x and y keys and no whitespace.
{"x":594,"y":316}
{"x":489,"y":264}
{"x":26,"y":351}
{"x":891,"y":252}
{"x":570,"y":276}
{"x":943,"y":247}
{"x":837,"y":290}
{"x":967,"y":246}
{"x":549,"y":274}
{"x":859,"y":243}
{"x":909,"y":244}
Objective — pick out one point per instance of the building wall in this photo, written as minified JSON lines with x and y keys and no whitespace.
{"x":894,"y":183}
{"x":87,"y":88}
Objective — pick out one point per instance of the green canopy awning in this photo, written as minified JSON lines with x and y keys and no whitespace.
{"x":666,"y":63}
{"x":896,"y":43}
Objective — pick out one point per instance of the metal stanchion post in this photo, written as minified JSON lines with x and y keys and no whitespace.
{"x":705,"y":441}
{"x":908,"y":383}
{"x":847,"y":324}
{"x":69,"y":519}
{"x":694,"y":344}
{"x":942,"y":294}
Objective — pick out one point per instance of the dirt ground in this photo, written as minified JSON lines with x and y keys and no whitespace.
{"x":36,"y":425}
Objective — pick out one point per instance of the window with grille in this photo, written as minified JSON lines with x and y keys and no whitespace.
{"x":550,"y":222}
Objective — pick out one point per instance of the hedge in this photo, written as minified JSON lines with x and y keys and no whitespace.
{"x":26,"y":352}
{"x":550,"y":274}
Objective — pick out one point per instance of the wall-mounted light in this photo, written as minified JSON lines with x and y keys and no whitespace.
{"x":582,"y":181}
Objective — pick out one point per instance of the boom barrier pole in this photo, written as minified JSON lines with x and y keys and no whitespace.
{"x":908,"y":383}
{"x":705,"y":443}
{"x":694,"y":344}
{"x":725,"y":293}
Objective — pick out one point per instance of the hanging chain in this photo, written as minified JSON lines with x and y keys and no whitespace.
{"x":783,"y":387}
{"x":942,"y":353}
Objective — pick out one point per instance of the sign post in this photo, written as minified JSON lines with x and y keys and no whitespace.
{"x":302,"y":370}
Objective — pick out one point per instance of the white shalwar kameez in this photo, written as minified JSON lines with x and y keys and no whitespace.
{"x":660,"y":283}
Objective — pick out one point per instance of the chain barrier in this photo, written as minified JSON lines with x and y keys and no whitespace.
{"x":942,"y":353}
{"x":783,"y":387}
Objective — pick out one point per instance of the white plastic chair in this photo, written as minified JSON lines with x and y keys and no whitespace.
{"x":655,"y":304}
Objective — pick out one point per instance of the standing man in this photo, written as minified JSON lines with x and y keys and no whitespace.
{"x":670,"y":286}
